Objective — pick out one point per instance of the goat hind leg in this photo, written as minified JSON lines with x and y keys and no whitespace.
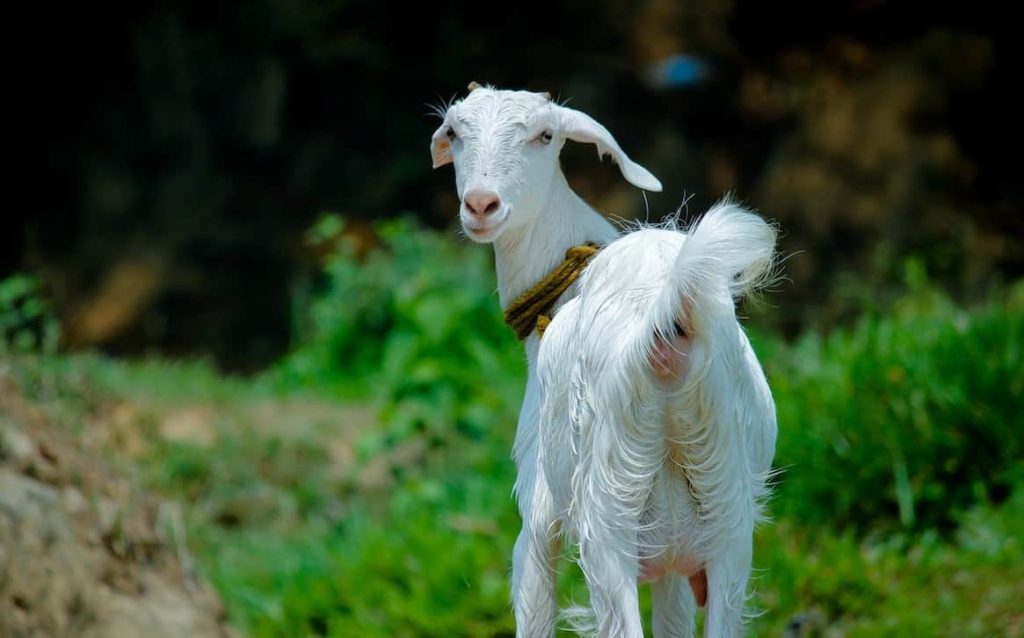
{"x":727,"y":576}
{"x":674,"y":607}
{"x":611,"y":574}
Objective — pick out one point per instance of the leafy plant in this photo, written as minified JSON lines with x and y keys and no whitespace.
{"x":415,"y":324}
{"x":26,"y":320}
{"x":904,"y":419}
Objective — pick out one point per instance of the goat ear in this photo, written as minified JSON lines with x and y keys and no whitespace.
{"x":580,"y":127}
{"x":441,"y":147}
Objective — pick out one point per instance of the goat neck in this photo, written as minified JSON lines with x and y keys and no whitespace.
{"x":523,"y":256}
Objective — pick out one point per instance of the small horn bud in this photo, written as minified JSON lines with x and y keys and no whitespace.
{"x":473,"y":86}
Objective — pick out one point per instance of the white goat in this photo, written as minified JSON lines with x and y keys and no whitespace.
{"x":647,"y":447}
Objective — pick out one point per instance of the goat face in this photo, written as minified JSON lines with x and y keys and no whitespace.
{"x":505,"y":147}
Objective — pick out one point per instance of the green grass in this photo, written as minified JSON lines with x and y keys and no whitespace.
{"x":363,"y":487}
{"x":297,"y":545}
{"x":896,"y":586}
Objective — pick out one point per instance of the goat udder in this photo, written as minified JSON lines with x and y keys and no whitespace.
{"x":653,"y":569}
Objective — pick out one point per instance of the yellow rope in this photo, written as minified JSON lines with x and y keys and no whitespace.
{"x":530,"y":309}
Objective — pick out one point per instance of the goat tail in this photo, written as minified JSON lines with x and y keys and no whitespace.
{"x":730,"y":244}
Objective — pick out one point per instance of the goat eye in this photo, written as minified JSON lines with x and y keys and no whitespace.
{"x":451,"y":134}
{"x":680,"y":330}
{"x":545,"y":137}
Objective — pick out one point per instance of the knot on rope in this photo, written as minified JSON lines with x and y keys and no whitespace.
{"x":531,"y":310}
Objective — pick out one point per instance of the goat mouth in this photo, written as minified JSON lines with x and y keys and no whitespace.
{"x":483,"y":230}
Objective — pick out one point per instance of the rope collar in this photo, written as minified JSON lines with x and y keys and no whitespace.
{"x":532,"y":309}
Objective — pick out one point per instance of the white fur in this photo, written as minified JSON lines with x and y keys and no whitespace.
{"x":651,"y":470}
{"x":597,"y":466}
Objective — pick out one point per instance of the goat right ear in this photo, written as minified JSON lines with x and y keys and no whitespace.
{"x":580,"y":127}
{"x":441,"y":147}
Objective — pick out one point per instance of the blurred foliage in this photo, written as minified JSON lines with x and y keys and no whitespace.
{"x":27,"y":323}
{"x":906,"y":418}
{"x":415,"y":324}
{"x":434,"y":563}
{"x":203,"y":138}
{"x":836,"y":583}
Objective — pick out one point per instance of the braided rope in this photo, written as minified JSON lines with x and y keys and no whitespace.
{"x":530,"y":309}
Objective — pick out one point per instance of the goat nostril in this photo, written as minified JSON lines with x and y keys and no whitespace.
{"x":482,"y":203}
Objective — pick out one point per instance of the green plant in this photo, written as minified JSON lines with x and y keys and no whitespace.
{"x":27,"y":323}
{"x":904,"y":419}
{"x":415,"y":324}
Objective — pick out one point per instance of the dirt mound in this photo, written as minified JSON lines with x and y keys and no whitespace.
{"x":83,"y":552}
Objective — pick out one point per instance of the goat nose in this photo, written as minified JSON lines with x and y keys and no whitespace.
{"x":482,"y":203}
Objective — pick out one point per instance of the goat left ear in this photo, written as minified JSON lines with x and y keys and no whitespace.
{"x":441,"y":147}
{"x":580,"y":127}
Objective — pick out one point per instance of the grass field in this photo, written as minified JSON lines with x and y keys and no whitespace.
{"x":362,"y":487}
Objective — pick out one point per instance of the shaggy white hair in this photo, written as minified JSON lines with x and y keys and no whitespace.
{"x":657,"y":426}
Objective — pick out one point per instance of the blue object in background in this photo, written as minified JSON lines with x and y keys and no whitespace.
{"x":677,"y":71}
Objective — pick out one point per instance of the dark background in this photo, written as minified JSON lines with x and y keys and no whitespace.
{"x":179,"y":150}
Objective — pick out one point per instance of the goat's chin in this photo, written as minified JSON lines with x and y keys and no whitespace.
{"x":485,"y":233}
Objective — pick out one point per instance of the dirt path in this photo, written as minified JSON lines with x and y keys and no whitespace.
{"x":83,"y":551}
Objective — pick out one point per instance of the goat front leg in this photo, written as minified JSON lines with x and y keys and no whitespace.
{"x":535,"y":556}
{"x":534,"y":563}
